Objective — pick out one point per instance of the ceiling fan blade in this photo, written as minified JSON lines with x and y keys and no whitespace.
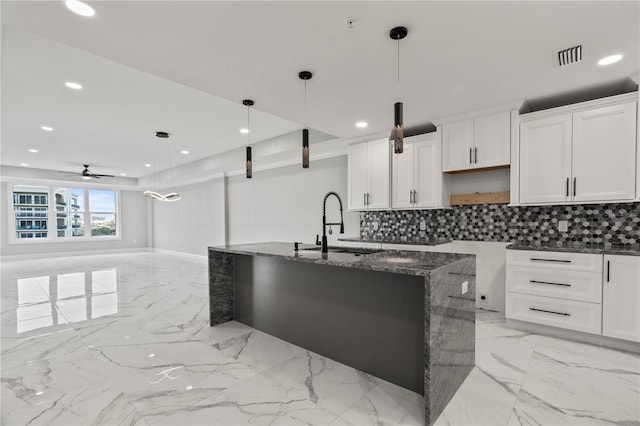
{"x":98,"y":176}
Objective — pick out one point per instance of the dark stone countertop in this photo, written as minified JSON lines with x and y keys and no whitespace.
{"x":626,"y":250}
{"x":412,"y":241}
{"x":396,"y":261}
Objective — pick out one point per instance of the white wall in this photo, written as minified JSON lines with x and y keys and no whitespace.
{"x":133,"y":222}
{"x":285,"y":204}
{"x":193,"y":223}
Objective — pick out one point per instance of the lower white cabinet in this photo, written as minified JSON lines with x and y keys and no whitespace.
{"x":621,"y":297}
{"x":569,"y":314}
{"x":590,"y":293}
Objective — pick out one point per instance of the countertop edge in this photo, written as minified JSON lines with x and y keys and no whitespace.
{"x":359,"y":264}
{"x":621,"y":251}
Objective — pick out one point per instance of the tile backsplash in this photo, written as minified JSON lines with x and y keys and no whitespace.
{"x":590,"y":224}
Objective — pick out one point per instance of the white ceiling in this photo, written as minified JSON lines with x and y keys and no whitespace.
{"x":458,"y":56}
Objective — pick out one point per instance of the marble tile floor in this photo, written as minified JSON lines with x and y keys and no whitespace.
{"x":124,"y":339}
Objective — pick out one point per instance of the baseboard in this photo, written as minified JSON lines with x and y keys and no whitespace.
{"x":180,"y":253}
{"x":8,"y":258}
{"x":576,"y":336}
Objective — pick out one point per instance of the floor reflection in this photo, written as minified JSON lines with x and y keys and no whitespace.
{"x":48,"y":301}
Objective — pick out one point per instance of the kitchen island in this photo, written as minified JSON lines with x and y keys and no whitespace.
{"x":404,"y":316}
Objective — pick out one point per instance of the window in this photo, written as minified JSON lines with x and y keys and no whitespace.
{"x":68,"y":213}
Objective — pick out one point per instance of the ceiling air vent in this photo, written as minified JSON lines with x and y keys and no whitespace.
{"x":569,"y":56}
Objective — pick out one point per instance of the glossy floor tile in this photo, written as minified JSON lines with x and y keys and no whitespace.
{"x":124,"y":340}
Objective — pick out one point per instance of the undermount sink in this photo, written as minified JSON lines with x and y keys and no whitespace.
{"x":350,"y":250}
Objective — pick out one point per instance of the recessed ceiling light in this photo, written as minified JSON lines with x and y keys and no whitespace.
{"x":86,"y":177}
{"x":184,"y":151}
{"x":24,"y":164}
{"x":362,"y":124}
{"x":123,"y":174}
{"x":33,"y":151}
{"x":147,"y":165}
{"x":72,"y":85}
{"x":80,"y":8}
{"x":244,"y":131}
{"x":610,"y":60}
{"x":47,"y":128}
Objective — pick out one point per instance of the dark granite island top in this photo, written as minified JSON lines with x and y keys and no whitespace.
{"x":404,"y":316}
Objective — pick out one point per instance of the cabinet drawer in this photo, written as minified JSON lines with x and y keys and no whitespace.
{"x":564,"y":284}
{"x":556,"y":260}
{"x":569,"y":314}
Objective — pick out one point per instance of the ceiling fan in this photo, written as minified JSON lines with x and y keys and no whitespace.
{"x":86,"y":173}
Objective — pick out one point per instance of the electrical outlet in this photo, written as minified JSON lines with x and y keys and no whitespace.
{"x":563,"y":226}
{"x":465,"y":287}
{"x":423,"y":225}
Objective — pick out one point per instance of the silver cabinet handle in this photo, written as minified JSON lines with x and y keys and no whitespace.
{"x":550,"y":312}
{"x":470,"y":156}
{"x":364,"y":198}
{"x":410,"y":196}
{"x":608,"y":270}
{"x":368,"y":199}
{"x":567,"y":188}
{"x":535,"y":259}
{"x":415,"y":196}
{"x":549,"y":283}
{"x":475,"y":154}
{"x":574,"y":186}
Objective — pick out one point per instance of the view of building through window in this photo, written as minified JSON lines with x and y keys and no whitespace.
{"x":53,"y":213}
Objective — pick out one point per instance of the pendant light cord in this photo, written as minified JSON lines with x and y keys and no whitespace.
{"x":248,"y":127}
{"x":398,"y":70}
{"x":305,"y":104}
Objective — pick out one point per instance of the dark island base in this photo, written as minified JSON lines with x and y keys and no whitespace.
{"x":369,"y":320}
{"x":415,"y":331}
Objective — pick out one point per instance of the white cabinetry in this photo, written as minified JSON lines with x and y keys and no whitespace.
{"x":590,"y":293}
{"x":621,"y":297}
{"x":586,"y":155}
{"x":368,"y":175}
{"x":478,"y":143}
{"x":417,"y":180}
{"x":556,"y":289}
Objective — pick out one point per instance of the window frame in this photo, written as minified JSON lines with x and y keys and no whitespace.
{"x":52,"y":215}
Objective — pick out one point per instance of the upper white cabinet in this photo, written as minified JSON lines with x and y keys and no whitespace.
{"x":368,"y":175}
{"x":587,"y":155}
{"x":477,"y":143}
{"x":621,"y":297}
{"x":417,"y":180}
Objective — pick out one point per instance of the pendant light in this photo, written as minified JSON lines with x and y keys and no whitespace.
{"x":162,"y":150}
{"x":248,"y":103}
{"x":397,"y":133}
{"x":305,"y":75}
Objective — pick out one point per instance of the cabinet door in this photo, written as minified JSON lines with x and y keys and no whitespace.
{"x":492,"y":140}
{"x":457,"y":146}
{"x":545,"y":160}
{"x":379,"y":174}
{"x":621,"y":297}
{"x":428,"y":177}
{"x":402,"y":181}
{"x":604,"y":150}
{"x":358,"y":169}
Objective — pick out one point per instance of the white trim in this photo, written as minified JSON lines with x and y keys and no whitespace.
{"x":66,"y":183}
{"x":514,"y":169}
{"x":12,"y":257}
{"x":574,"y":335}
{"x":478,"y":113}
{"x":203,"y":257}
{"x":286,"y":163}
{"x":568,"y":109}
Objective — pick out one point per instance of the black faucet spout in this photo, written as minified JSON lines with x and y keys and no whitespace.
{"x":325,"y":246}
